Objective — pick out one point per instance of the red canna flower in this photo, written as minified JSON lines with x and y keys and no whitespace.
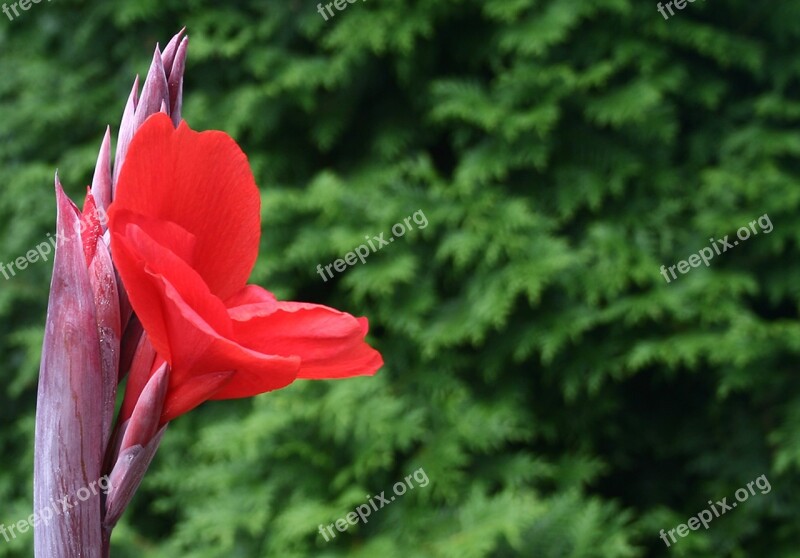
{"x":185,"y":230}
{"x":168,"y":304}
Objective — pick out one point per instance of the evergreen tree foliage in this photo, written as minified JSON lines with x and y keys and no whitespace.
{"x":563,"y":399}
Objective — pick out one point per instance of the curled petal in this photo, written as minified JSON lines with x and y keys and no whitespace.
{"x":330,"y":343}
{"x":185,"y":230}
{"x":190,"y":327}
{"x":202,"y":182}
{"x":192,"y":392}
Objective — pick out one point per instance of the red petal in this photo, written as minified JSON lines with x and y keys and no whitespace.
{"x":202,"y":182}
{"x":190,"y":327}
{"x":250,"y":302}
{"x":330,"y":343}
{"x":166,"y":233}
{"x":206,"y":351}
{"x":190,"y":394}
{"x":250,"y":294}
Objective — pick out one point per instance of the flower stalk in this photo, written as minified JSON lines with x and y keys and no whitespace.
{"x":80,"y":368}
{"x":150,"y":283}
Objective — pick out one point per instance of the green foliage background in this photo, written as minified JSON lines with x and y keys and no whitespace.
{"x":563,"y":399}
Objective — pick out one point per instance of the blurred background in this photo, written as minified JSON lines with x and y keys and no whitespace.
{"x":563,"y":399}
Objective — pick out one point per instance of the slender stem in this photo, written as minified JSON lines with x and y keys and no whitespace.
{"x":106,"y":551}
